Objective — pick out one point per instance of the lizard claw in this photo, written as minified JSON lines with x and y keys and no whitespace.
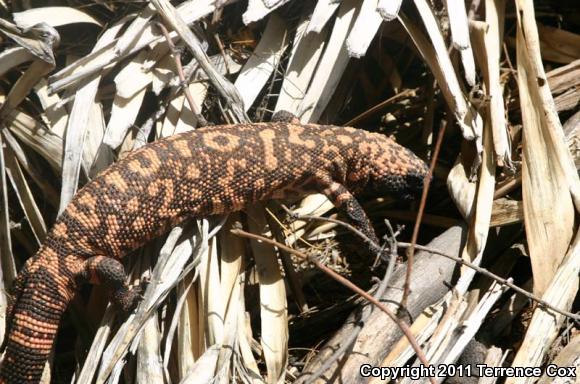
{"x":128,"y":298}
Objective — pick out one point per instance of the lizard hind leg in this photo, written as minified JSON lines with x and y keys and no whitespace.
{"x":347,"y":204}
{"x":110,"y":272}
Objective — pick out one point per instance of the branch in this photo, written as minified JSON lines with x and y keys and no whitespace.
{"x":400,"y":323}
{"x":426,"y":184}
{"x":500,"y":280}
{"x":177,"y":58}
{"x":346,"y":225}
{"x":347,"y":343}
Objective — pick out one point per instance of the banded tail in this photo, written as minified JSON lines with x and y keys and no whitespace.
{"x":40,"y":297}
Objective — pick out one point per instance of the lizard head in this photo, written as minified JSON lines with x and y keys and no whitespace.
{"x":396,"y":170}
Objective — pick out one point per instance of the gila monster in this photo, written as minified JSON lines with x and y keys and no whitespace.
{"x":208,"y":171}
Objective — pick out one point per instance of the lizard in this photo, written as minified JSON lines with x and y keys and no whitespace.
{"x":203,"y":172}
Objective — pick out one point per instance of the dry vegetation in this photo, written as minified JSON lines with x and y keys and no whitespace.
{"x":82,"y":84}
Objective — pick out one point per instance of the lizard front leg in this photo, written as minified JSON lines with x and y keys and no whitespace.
{"x":347,"y":204}
{"x":110,"y":272}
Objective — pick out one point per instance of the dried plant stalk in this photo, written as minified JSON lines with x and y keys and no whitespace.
{"x":548,"y":225}
{"x":273,"y":306}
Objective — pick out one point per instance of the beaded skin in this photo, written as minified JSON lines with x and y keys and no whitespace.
{"x":205,"y":172}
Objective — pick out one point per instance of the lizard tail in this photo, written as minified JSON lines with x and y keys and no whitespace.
{"x":40,"y":298}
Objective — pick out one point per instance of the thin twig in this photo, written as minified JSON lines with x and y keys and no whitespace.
{"x":225,"y":88}
{"x":400,"y":323}
{"x":507,"y":187}
{"x":292,"y":275}
{"x":217,"y":14}
{"x":459,"y":260}
{"x":378,"y":107}
{"x":501,"y":280}
{"x":512,"y":71}
{"x":426,"y":184}
{"x":335,"y":221}
{"x":220,"y":45}
{"x":177,"y":58}
{"x":357,"y":328}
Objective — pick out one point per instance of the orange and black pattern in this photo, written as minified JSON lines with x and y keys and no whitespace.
{"x":205,"y":172}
